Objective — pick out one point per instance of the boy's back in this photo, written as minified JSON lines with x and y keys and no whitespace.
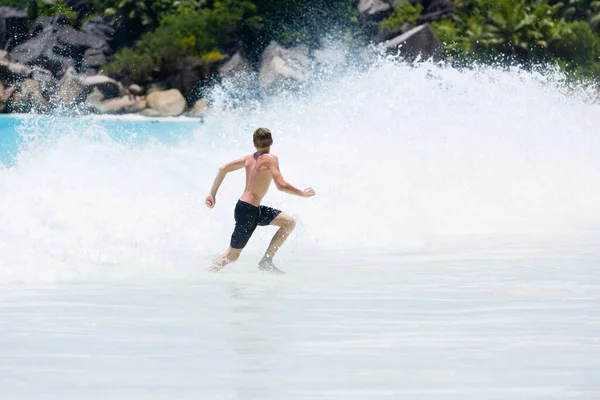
{"x":258,"y":177}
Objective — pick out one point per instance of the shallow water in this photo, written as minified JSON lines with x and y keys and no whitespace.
{"x":517,"y":321}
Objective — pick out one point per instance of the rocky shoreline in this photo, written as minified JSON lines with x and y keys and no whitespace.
{"x":51,"y":67}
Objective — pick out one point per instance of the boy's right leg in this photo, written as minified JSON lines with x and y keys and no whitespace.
{"x":224,"y":259}
{"x":246,"y":219}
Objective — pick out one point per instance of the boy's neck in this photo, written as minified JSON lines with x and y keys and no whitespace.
{"x":265,"y":150}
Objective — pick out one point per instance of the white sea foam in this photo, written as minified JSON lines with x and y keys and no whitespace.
{"x":396,"y":154}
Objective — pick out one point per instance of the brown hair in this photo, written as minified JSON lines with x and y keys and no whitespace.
{"x":262,"y":138}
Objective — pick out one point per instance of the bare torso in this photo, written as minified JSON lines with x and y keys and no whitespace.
{"x":258,"y":177}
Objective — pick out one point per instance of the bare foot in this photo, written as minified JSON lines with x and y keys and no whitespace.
{"x":212,"y":268}
{"x":266,"y":265}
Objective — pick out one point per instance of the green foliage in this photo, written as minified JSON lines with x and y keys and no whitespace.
{"x":513,"y":27}
{"x":403,"y":12}
{"x":14,"y":3}
{"x":524,"y":30}
{"x":40,"y":8}
{"x":138,"y":13}
{"x":303,"y":21}
{"x":579,"y":49}
{"x":573,"y":10}
{"x":192,"y":32}
{"x":133,"y":64}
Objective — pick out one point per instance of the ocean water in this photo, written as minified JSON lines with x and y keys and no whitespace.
{"x":451,"y":251}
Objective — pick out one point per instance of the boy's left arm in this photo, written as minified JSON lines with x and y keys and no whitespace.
{"x":223,"y":171}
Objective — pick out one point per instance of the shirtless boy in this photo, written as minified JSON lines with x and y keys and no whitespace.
{"x":261,"y":167}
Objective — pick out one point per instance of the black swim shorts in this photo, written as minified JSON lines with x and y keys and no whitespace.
{"x":247,"y":218}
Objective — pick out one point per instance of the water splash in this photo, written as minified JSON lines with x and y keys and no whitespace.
{"x":395,"y":152}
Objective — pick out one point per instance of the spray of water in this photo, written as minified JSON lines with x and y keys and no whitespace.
{"x":395,"y":153}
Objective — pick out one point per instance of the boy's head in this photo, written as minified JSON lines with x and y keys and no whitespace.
{"x":262,"y":138}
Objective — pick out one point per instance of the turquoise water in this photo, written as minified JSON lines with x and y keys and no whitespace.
{"x":16,"y":130}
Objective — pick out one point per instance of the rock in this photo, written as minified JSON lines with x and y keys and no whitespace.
{"x":13,"y":26}
{"x":40,"y":51}
{"x":136,"y":89}
{"x":79,"y":4}
{"x":440,"y":5}
{"x":374,"y":9}
{"x":167,"y":103}
{"x":70,"y":89}
{"x":29,"y":97}
{"x":95,"y":97}
{"x":5,"y":95}
{"x":435,"y":10}
{"x":78,"y":42}
{"x":236,"y":65}
{"x":282,"y":66}
{"x":46,"y":24}
{"x":109,"y":87}
{"x":148,"y":112}
{"x":41,"y":75}
{"x":46,"y":80}
{"x":155,"y":87}
{"x":189,"y":73}
{"x":199,"y":110}
{"x":93,"y":59}
{"x":11,"y":71}
{"x":384,"y":35}
{"x":99,"y":27}
{"x":329,"y":57}
{"x":122,"y":104}
{"x":418,"y":42}
{"x":56,"y":47}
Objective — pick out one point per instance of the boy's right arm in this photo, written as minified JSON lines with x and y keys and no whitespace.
{"x":284,"y":186}
{"x":223,"y":171}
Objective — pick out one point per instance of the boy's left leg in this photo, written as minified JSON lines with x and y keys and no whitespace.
{"x":286,"y":225}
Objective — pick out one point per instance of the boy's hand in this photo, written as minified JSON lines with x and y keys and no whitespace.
{"x":309,"y":192}
{"x":210,"y":201}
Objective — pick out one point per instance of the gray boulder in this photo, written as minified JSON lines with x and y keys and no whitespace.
{"x":330,"y":58}
{"x":437,"y":9}
{"x":76,"y":42}
{"x":99,"y":27}
{"x":13,"y":26}
{"x":94,"y":58}
{"x":40,"y":51}
{"x":236,"y":65}
{"x":5,"y":95}
{"x":419,"y":42}
{"x":48,"y":83}
{"x":166,"y":103}
{"x":199,"y":110}
{"x":56,"y":47}
{"x":190,"y":72}
{"x":70,"y":90}
{"x":12,"y":71}
{"x":374,"y":9}
{"x":45,"y":24}
{"x":135,"y":89}
{"x":109,"y":87}
{"x":125,"y":104}
{"x":384,"y":35}
{"x":280,"y":66}
{"x":440,"y":5}
{"x":29,"y":98}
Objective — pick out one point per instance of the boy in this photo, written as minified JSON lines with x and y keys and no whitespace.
{"x":261,"y":167}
